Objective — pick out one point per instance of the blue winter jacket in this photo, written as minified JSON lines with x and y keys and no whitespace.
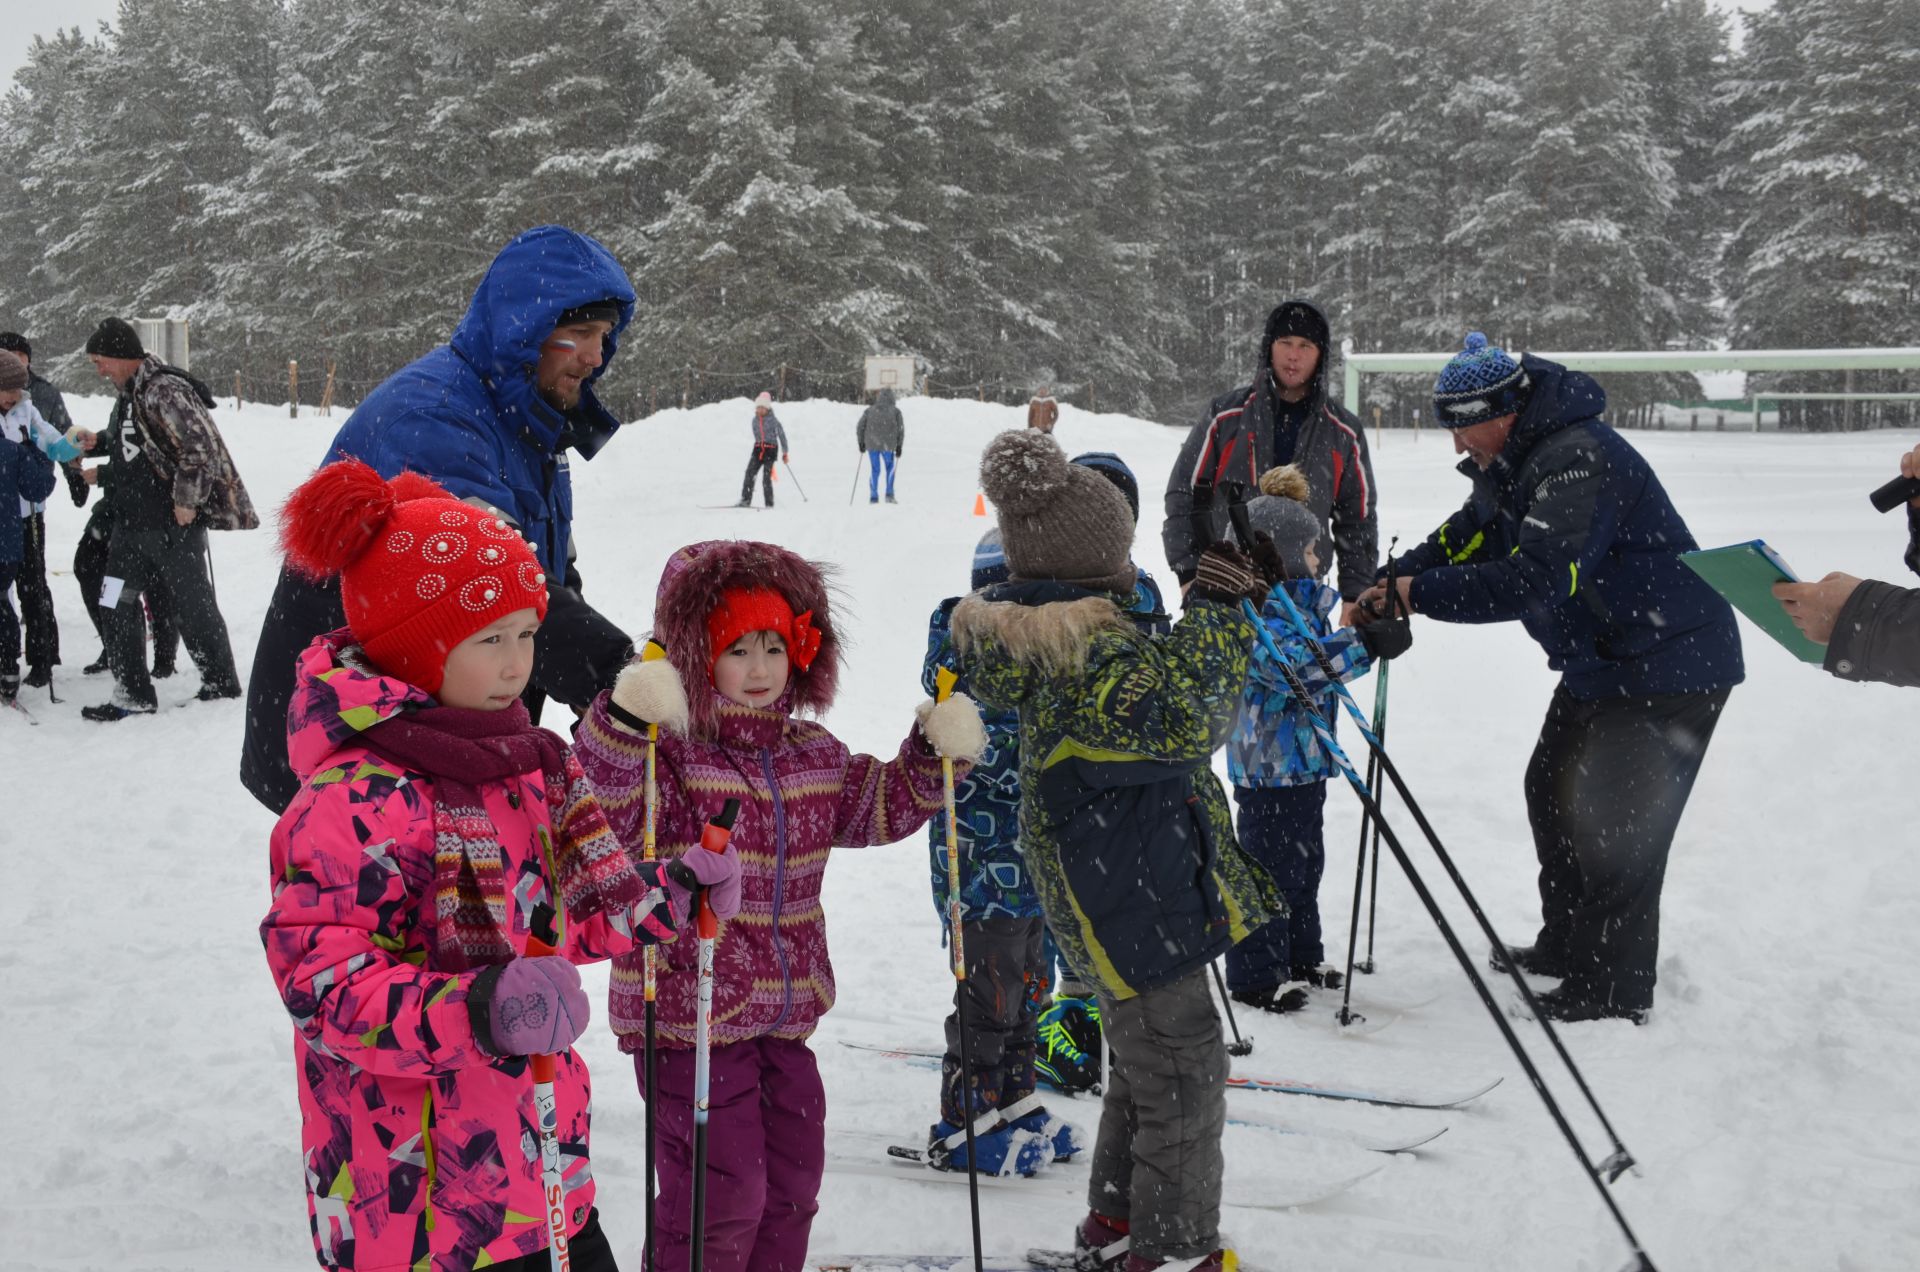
{"x":468,"y":412}
{"x":1273,"y":742}
{"x":25,"y":473}
{"x":1570,"y":532}
{"x":993,"y":873}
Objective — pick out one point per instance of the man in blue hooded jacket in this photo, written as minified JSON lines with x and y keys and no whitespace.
{"x":493,"y":415}
{"x":1569,"y":531}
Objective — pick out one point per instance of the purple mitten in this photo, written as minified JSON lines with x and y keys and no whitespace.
{"x":529,"y":1007}
{"x":718,"y":872}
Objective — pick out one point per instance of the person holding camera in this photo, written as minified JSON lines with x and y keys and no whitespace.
{"x":1871,"y":629}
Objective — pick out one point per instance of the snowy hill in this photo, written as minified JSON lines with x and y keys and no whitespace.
{"x":148,"y":1063}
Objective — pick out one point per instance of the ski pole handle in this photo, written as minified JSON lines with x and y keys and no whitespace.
{"x":713,"y":838}
{"x":944,"y":679}
{"x":542,"y":941}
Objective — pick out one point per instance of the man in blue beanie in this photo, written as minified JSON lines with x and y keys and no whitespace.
{"x":1568,"y":531}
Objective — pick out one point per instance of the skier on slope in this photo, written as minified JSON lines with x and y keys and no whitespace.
{"x":1569,"y":531}
{"x":769,"y":444}
{"x":435,"y":829}
{"x":881,"y":436}
{"x":751,"y":643}
{"x":1118,"y":802}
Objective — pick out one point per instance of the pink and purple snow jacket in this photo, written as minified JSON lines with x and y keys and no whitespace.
{"x":801,"y":794}
{"x":421,"y":1150}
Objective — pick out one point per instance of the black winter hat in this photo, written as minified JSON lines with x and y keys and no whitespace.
{"x":14,"y":342}
{"x":1115,"y":470}
{"x":115,"y":338}
{"x":598,"y":311}
{"x":1295,"y":318}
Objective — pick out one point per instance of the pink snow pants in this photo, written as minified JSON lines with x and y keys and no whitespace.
{"x":766,"y":1153}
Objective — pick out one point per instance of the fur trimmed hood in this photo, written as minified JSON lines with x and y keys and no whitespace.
{"x":1051,"y":638}
{"x":690,"y":588}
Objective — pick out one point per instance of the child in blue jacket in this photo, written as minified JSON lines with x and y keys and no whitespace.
{"x":1277,"y":765}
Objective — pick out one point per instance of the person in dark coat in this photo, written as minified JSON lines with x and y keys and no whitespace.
{"x":173,"y":481}
{"x":36,"y":598}
{"x":1284,"y":416}
{"x":1569,"y":532}
{"x":1871,"y":629}
{"x":26,"y":478}
{"x":882,"y":436}
{"x":495,"y":416}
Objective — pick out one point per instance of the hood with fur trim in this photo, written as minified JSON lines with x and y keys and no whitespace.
{"x":1051,"y":638}
{"x":690,"y":588}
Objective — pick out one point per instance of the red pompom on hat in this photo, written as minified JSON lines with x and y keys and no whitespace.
{"x":420,"y":571}
{"x":743,"y":610}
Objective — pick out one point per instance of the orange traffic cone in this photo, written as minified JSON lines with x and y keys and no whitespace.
{"x":979,"y":505}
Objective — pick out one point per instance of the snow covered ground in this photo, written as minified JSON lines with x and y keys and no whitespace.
{"x":146,"y":1063}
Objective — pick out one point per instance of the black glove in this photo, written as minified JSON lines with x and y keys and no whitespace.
{"x":1387,"y":637}
{"x":1266,"y":558}
{"x":1225,"y":575}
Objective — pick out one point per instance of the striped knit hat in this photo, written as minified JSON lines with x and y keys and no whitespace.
{"x":1480,"y":383}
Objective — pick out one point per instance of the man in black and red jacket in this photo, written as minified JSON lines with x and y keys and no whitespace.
{"x":1283,"y":417}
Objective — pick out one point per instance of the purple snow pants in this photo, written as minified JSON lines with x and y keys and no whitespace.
{"x":766,"y":1153}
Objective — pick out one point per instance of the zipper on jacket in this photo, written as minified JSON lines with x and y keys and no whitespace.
{"x":779,"y":887}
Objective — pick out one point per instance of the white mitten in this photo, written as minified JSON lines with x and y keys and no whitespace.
{"x":651,"y":693}
{"x":953,"y":728}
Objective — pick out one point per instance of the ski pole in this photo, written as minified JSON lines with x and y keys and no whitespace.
{"x":1380,"y":708}
{"x":1240,"y":1046}
{"x":1614,"y":1165}
{"x":543,"y":940}
{"x":801,"y":489}
{"x":649,"y":956}
{"x":713,"y":839}
{"x":1347,"y":1015}
{"x":857,"y":464}
{"x":944,"y":680}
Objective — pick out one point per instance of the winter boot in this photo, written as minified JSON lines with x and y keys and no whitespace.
{"x":891,"y":499}
{"x":9,"y":684}
{"x":215,"y":693}
{"x":1531,"y":959}
{"x":1082,"y":1019}
{"x":1100,"y":1244}
{"x":1062,"y":1137}
{"x":38,"y":677}
{"x":1564,"y":1008}
{"x":1317,"y":975}
{"x":107,"y":712}
{"x":97,"y":666}
{"x":163,"y":668}
{"x":1058,"y":1062}
{"x":1278,"y":999}
{"x":999,"y":1149}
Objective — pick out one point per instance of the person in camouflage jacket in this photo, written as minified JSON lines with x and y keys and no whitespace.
{"x":172,"y":481}
{"x":1124,"y":827}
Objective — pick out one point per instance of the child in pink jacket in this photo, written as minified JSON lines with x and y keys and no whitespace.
{"x":436,"y":833}
{"x":751,"y":641}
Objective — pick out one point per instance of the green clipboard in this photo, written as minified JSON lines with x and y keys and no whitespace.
{"x":1745,"y":573}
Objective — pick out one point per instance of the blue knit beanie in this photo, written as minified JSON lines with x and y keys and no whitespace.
{"x":989,"y":561}
{"x":1478,"y":384}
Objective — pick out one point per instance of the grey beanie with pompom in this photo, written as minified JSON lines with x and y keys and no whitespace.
{"x":1281,"y":510}
{"x":1058,"y":521}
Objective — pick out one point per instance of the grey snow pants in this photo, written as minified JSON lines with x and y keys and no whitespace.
{"x":1157,"y":1161}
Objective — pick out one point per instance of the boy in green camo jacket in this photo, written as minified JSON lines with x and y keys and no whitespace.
{"x":1126,"y":830}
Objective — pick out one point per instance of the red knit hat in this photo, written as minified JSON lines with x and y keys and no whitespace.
{"x":420,"y":571}
{"x":761,"y":609}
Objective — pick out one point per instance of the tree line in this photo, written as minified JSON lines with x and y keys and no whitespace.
{"x":1103,"y":195}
